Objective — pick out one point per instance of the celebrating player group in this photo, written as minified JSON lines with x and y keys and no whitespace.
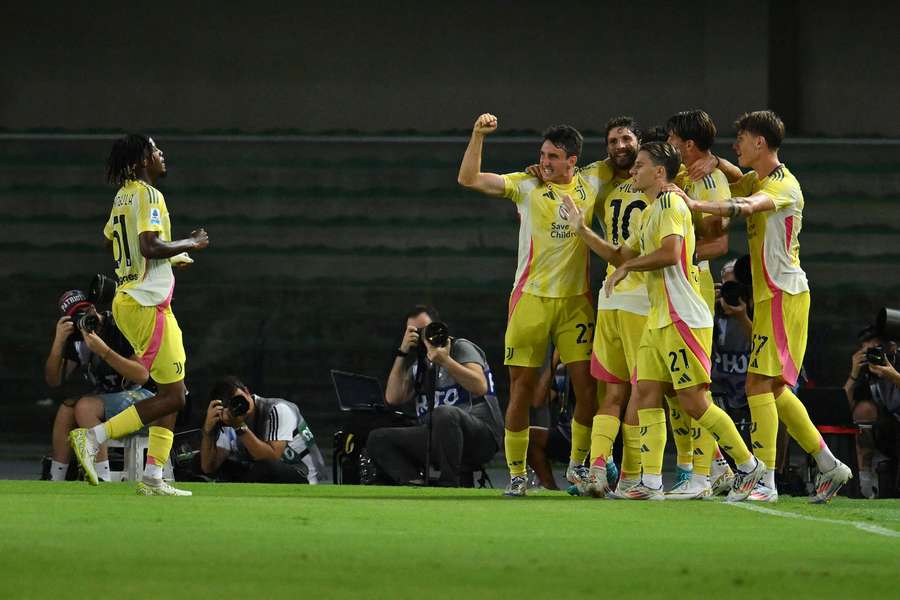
{"x":665,"y":208}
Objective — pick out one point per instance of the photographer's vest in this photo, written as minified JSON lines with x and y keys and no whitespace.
{"x":730,"y":359}
{"x":449,"y":392}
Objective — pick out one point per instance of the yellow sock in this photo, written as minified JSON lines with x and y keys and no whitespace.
{"x":719,"y":424}
{"x":681,"y":432}
{"x":581,"y":443}
{"x":160,"y":444}
{"x":603,"y":434}
{"x":516,"y":445}
{"x":764,"y":427}
{"x":631,"y":451}
{"x":704,"y":448}
{"x":801,"y":428}
{"x":127,"y":421}
{"x":653,"y":439}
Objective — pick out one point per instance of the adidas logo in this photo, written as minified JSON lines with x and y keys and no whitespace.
{"x":644,"y":448}
{"x":698,"y":452}
{"x":684,"y":379}
{"x":757,"y":445}
{"x":682,"y":431}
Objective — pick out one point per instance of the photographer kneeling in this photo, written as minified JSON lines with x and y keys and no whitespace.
{"x":466,"y":424}
{"x":250,"y":439}
{"x":94,"y":371}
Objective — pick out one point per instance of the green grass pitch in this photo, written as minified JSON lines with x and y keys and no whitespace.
{"x":265,"y":541}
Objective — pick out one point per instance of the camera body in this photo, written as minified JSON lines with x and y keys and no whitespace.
{"x":237,"y":405}
{"x":86,"y":320}
{"x":733,"y":292}
{"x":876,"y":356}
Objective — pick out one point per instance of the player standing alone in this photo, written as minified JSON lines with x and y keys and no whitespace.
{"x":140,"y":234}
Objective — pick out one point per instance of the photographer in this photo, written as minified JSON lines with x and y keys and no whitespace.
{"x":731,"y":344}
{"x":250,"y":439}
{"x":466,"y":426}
{"x":95,"y":373}
{"x":873,"y":391}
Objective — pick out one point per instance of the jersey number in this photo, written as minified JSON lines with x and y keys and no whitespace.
{"x":583,"y":335}
{"x":625,"y":217}
{"x":121,"y":242}
{"x":674,"y":356}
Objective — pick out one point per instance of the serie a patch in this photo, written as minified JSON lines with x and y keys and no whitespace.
{"x":155,"y":218}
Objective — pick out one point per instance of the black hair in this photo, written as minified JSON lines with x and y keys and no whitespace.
{"x":566,"y":138}
{"x":225,"y":388}
{"x":656,"y":133}
{"x":765,"y":123}
{"x":693,"y":125}
{"x":418,"y":309}
{"x":623,"y":121}
{"x":665,"y":155}
{"x":126,"y":156}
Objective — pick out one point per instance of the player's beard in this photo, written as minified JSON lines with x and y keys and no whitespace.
{"x":624,"y":162}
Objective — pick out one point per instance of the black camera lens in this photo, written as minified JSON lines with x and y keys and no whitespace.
{"x":238,"y":405}
{"x":876,"y":356}
{"x":437,"y":334}
{"x":731,"y":293}
{"x":102,"y":289}
{"x":88,"y":322}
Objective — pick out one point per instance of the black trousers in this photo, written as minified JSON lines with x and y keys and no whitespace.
{"x":260,"y":471}
{"x":458,"y":441}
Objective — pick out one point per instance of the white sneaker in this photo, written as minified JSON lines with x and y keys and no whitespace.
{"x":642,"y":492}
{"x":828,"y":483}
{"x":689,"y":490}
{"x":579,"y":476}
{"x":720,"y":477}
{"x":85,"y":446}
{"x":745,"y":482}
{"x":623,"y":486}
{"x":148,"y":487}
{"x":597,"y":485}
{"x":763,"y":493}
{"x":517,"y":487}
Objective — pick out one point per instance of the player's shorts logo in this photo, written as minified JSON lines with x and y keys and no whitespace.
{"x":509,"y":352}
{"x":179,"y":368}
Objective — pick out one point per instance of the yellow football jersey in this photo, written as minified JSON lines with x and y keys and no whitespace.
{"x":674,"y":291}
{"x":622,"y":209}
{"x":773,"y":235}
{"x":553,"y":262}
{"x":139,"y":207}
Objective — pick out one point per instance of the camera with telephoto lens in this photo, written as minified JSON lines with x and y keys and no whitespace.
{"x":84,"y":320}
{"x":237,"y":405}
{"x":102,"y":289}
{"x":733,"y":292}
{"x":876,"y":356}
{"x":436,"y":333}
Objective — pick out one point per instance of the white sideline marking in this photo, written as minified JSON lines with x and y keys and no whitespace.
{"x":777,"y":513}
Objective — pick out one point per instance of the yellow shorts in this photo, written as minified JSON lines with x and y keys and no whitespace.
{"x":616,"y":342}
{"x":707,"y":289}
{"x":677,"y":354}
{"x":535,"y":321}
{"x":778,"y":344}
{"x":155,"y":336}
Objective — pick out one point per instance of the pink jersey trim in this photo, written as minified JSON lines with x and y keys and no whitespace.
{"x":517,"y":291}
{"x":159,"y":329}
{"x":688,"y":336}
{"x":789,"y":233}
{"x":790,"y":372}
{"x":599,"y":371}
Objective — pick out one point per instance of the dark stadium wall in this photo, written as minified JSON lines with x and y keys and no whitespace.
{"x":432,"y":66}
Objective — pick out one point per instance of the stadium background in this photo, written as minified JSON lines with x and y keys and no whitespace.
{"x":320,"y":145}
